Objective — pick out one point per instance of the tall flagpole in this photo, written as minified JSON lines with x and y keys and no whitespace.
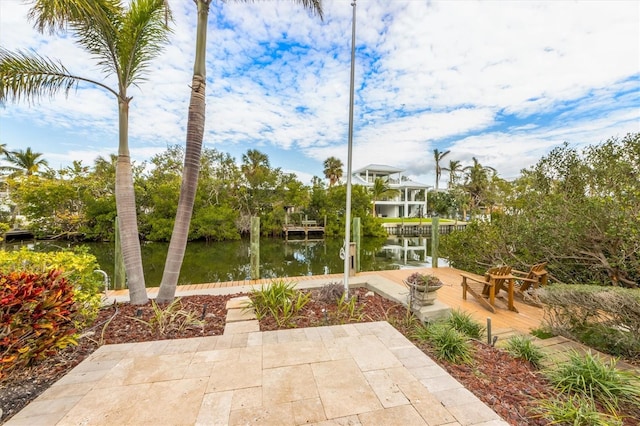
{"x":347,"y":225}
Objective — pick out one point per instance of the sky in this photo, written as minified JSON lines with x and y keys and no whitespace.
{"x":502,"y":81}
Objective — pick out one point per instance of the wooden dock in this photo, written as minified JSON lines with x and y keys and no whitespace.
{"x":307,"y":228}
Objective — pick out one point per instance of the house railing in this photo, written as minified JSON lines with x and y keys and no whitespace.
{"x":414,"y":230}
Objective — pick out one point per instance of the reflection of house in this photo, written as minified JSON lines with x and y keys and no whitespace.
{"x":406,"y":249}
{"x":410,"y":201}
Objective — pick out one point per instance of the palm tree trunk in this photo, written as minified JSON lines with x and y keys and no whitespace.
{"x":126,"y":208}
{"x":195,"y":133}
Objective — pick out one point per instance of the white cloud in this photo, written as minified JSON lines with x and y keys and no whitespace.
{"x":500,"y":81}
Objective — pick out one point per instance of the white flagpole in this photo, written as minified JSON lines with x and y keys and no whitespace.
{"x":347,"y":225}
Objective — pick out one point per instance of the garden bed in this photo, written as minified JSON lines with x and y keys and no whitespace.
{"x":510,"y":387}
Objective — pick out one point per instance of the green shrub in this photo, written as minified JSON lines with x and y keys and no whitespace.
{"x":610,"y":340}
{"x":348,"y":310}
{"x":576,"y":410}
{"x":448,"y":343}
{"x":589,"y":375}
{"x":4,"y":227}
{"x":606,"y":317}
{"x":542,"y":333}
{"x":36,"y":317}
{"x":77,"y":267}
{"x":465,"y":324}
{"x":524,"y":348}
{"x":279,"y":299}
{"x":171,"y":318}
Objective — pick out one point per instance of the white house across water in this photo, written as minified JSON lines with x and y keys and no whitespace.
{"x":408,"y":202}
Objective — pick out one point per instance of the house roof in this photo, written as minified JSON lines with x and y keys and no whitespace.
{"x":378,"y":168}
{"x":414,"y":184}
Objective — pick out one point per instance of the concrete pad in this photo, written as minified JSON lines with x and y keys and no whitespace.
{"x":275,"y":415}
{"x":215,"y":408}
{"x":341,"y":421}
{"x":339,"y":375}
{"x":371,"y":354}
{"x":473,"y":413}
{"x":288,"y":384}
{"x":234,"y":315}
{"x":293,"y":353}
{"x":238,"y":302}
{"x":232,"y":375}
{"x":405,"y":415}
{"x":343,"y":389}
{"x":246,"y":398}
{"x":387,"y":391}
{"x":307,"y":411}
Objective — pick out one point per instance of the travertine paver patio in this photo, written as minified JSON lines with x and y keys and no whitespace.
{"x":355,"y":374}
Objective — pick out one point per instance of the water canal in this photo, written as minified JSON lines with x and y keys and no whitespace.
{"x":229,"y":260}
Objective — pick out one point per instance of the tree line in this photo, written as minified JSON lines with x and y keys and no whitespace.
{"x":577,"y":210}
{"x":78,"y":201}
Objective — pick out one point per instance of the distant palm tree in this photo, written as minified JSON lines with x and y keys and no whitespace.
{"x":123,"y":39}
{"x":477,"y":179}
{"x":438,"y":156}
{"x":333,"y":170}
{"x":254,"y":166}
{"x":25,"y":162}
{"x":454,"y":168}
{"x":380,"y":190}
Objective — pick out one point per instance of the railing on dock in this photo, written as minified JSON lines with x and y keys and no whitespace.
{"x":410,"y":229}
{"x":307,"y":227}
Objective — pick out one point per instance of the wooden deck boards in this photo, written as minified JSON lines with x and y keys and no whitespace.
{"x":528,"y":318}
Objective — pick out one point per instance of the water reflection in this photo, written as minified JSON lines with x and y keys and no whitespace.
{"x":230,"y":260}
{"x":409,"y":252}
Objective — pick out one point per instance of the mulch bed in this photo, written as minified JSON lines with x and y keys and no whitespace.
{"x":508,"y":386}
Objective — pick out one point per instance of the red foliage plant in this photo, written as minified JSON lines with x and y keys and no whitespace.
{"x":36,"y":317}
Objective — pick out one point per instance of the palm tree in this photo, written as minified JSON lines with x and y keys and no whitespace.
{"x":123,"y":41}
{"x":333,"y":170}
{"x":438,"y":156}
{"x":25,"y":162}
{"x":191,"y":170}
{"x":255,"y":165}
{"x":379,"y":190}
{"x":477,"y":181}
{"x":454,"y":168}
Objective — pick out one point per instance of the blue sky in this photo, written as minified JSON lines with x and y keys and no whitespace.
{"x":504,"y":82}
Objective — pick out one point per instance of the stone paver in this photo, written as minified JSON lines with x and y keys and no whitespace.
{"x":358,"y":374}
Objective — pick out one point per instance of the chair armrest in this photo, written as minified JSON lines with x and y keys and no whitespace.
{"x":474,"y":277}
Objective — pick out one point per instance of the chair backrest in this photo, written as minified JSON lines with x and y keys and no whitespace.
{"x":537,"y":270}
{"x":496,"y":271}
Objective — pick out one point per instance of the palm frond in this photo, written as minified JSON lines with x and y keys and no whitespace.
{"x":31,"y":76}
{"x":54,"y":15}
{"x":143,"y":35}
{"x":98,"y":34}
{"x":315,"y":6}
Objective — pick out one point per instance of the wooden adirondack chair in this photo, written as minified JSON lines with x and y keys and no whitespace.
{"x":487,"y":286}
{"x":528,"y":282}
